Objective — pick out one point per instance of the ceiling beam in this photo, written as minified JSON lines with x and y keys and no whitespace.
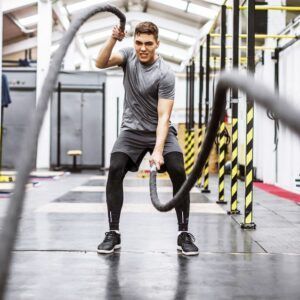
{"x":63,"y":18}
{"x":97,"y":25}
{"x":28,"y":44}
{"x":12,"y":5}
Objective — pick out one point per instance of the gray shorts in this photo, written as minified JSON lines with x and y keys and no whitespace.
{"x":137,"y":143}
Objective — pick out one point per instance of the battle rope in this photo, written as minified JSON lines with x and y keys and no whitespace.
{"x":289,"y":115}
{"x":26,"y":159}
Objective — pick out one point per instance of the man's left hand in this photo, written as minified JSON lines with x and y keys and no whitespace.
{"x":157,"y":159}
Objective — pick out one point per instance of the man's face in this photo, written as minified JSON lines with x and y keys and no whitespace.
{"x":145,"y":46}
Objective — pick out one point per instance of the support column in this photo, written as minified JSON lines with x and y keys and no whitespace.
{"x":234,"y":106}
{"x":248,"y":217}
{"x":1,"y":46}
{"x":207,"y":75}
{"x":222,"y":145}
{"x":44,"y":37}
{"x":200,"y":135}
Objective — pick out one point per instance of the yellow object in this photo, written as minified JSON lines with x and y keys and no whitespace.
{"x":243,"y":47}
{"x":259,"y":36}
{"x":269,"y":7}
{"x":74,"y":152}
{"x":6,"y":179}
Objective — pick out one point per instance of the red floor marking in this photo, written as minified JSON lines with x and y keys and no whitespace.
{"x":272,"y":189}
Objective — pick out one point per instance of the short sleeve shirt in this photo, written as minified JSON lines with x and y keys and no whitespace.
{"x":144,"y":85}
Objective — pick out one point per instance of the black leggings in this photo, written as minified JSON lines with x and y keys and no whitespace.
{"x":114,"y":189}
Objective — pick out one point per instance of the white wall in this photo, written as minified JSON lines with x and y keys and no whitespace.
{"x":264,"y":148}
{"x":289,"y":143}
{"x":114,"y":89}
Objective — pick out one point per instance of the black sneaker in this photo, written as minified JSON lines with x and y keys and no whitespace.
{"x":185,"y":243}
{"x":111,"y":242}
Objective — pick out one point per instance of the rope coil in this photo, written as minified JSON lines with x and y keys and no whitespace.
{"x":288,"y":114}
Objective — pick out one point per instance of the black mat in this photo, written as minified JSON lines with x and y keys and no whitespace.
{"x":128,"y":182}
{"x":130,"y":197}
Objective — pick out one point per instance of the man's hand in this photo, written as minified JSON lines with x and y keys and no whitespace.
{"x":118,"y":34}
{"x":157,"y":159}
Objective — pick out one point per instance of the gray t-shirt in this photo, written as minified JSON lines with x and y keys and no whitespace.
{"x":144,"y":85}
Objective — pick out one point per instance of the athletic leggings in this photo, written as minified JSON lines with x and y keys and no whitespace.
{"x":114,"y":189}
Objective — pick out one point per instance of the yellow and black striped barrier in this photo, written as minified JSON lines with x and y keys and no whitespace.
{"x":190,"y":152}
{"x":206,"y":179}
{"x":222,"y":148}
{"x":200,"y":139}
{"x":206,"y":175}
{"x":234,"y":169}
{"x":186,"y":144}
{"x":248,"y":217}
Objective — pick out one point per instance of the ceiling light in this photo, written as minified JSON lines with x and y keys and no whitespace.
{"x":83,"y":4}
{"x":202,"y":11}
{"x":29,"y":21}
{"x":97,"y":36}
{"x":174,"y":3}
{"x":172,"y":51}
{"x":168,"y":34}
{"x":218,"y":2}
{"x":186,"y":39}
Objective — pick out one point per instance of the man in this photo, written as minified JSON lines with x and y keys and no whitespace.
{"x":149,"y":95}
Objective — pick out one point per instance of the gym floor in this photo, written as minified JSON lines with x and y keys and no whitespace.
{"x":65,"y":219}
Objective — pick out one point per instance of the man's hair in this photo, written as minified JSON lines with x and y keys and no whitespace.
{"x":147,"y":28}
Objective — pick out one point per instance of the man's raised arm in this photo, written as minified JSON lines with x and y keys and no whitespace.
{"x":106,"y":58}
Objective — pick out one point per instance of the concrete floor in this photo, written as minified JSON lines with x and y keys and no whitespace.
{"x":55,"y":255}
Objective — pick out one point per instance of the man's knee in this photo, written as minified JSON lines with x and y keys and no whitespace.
{"x":175,"y":164}
{"x":118,"y":163}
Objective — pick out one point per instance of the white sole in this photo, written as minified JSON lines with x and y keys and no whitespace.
{"x":109,"y":251}
{"x":187,"y":253}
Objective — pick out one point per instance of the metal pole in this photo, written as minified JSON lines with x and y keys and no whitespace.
{"x":187,"y":130}
{"x":206,"y":168}
{"x":234,"y":106}
{"x":248,"y":217}
{"x":207,"y":78}
{"x":201,"y":75}
{"x":118,"y":101}
{"x":200,"y":135}
{"x":276,"y":122}
{"x":222,"y":146}
{"x":190,"y":155}
{"x":103,"y":126}
{"x":58,"y":125}
{"x":192,"y":96}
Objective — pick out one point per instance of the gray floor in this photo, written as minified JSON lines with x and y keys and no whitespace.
{"x":55,"y":255}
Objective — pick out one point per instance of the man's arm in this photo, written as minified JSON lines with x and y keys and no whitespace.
{"x":106,"y":58}
{"x":164,"y":110}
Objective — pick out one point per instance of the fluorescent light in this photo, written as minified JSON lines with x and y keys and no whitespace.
{"x":186,"y":39}
{"x":218,"y":2}
{"x":174,"y":3}
{"x":172,"y":51}
{"x":54,"y":48}
{"x":168,"y":34}
{"x":202,"y":11}
{"x":29,"y":21}
{"x":97,"y":36}
{"x":83,"y":4}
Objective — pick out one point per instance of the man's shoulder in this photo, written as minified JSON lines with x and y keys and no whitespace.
{"x":165,"y":70}
{"x":128,"y":53}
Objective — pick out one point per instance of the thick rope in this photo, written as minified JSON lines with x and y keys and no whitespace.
{"x":263,"y":96}
{"x":26,"y":159}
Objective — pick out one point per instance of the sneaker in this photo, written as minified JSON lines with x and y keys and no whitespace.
{"x":185,"y":243}
{"x":111,"y":242}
